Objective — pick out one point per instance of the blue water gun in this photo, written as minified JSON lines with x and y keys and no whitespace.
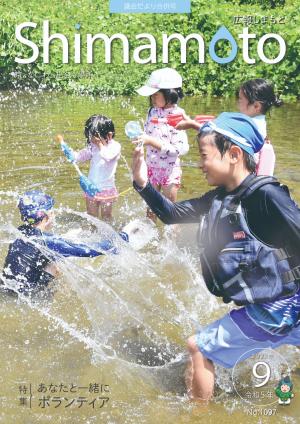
{"x":133,"y":130}
{"x":87,"y":186}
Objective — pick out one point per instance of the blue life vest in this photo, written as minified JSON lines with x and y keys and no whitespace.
{"x":235,"y":264}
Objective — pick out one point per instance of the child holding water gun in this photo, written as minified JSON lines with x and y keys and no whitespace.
{"x":255,"y":99}
{"x":164,"y":143}
{"x":103,"y":152}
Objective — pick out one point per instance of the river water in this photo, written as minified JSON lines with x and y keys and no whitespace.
{"x":109,"y":347}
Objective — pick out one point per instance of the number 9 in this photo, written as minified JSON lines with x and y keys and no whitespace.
{"x":266,"y":376}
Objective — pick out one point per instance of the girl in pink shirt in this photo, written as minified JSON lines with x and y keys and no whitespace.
{"x":103,"y":152}
{"x":164,"y":143}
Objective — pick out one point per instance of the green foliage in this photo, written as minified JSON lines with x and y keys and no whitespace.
{"x":265,"y":4}
{"x":89,"y":17}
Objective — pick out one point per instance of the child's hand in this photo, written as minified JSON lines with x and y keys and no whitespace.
{"x":139,"y":141}
{"x":147,"y":140}
{"x":53,"y":269}
{"x":139,"y":167}
{"x":59,"y":138}
{"x":100,"y":143}
{"x":143,"y":139}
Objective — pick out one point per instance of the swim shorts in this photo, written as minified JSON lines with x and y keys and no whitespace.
{"x":165,"y":176}
{"x":104,"y":197}
{"x":224,"y":343}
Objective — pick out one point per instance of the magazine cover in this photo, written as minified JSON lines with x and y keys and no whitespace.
{"x":118,"y":304}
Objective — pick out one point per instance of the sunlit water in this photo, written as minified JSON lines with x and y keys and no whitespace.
{"x":119,"y":321}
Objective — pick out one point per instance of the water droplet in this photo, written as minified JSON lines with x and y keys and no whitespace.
{"x":223,"y":34}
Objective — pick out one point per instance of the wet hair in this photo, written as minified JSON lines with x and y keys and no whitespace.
{"x":171,"y":95}
{"x":223,"y":144}
{"x":99,"y":126}
{"x":260,"y":90}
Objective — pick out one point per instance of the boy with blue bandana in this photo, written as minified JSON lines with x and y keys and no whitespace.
{"x":249,"y":241}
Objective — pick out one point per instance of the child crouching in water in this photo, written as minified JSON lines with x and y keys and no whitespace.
{"x":31,"y":262}
{"x":103,"y":152}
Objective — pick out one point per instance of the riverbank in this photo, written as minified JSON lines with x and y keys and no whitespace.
{"x":201,"y":73}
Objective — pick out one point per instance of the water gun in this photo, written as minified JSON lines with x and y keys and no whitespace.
{"x":87,"y":186}
{"x":174,"y":119}
{"x":133,"y":130}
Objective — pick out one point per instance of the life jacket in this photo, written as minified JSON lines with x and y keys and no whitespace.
{"x":25,"y":261}
{"x":235,"y":264}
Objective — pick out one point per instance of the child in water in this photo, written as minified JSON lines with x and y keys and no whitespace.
{"x":164,"y":143}
{"x":255,"y":99}
{"x":103,"y":152}
{"x":29,"y":264}
{"x":249,"y":242}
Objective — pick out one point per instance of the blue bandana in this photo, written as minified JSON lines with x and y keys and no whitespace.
{"x":239,"y":128}
{"x":33,"y":206}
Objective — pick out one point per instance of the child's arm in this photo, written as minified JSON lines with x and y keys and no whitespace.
{"x":189,"y":123}
{"x":172,"y":143}
{"x":83,"y":155}
{"x":177,"y":147}
{"x":188,"y":211}
{"x":67,"y":248}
